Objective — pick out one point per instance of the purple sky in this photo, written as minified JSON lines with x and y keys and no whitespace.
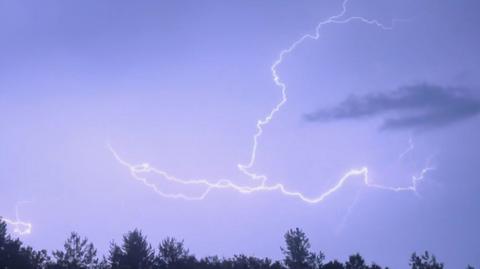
{"x":181,"y":85}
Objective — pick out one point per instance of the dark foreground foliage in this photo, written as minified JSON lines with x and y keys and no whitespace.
{"x":136,"y":253}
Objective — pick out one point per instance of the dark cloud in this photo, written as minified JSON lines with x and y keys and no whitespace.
{"x":421,"y":106}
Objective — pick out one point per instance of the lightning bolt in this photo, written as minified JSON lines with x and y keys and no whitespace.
{"x":244,"y":168}
{"x":411,"y":147}
{"x":19,"y":227}
{"x":349,"y":211}
{"x":138,"y":171}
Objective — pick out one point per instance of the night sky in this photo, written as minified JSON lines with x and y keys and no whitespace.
{"x":181,"y":85}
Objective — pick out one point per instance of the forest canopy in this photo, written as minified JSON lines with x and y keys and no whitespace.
{"x":135,"y":252}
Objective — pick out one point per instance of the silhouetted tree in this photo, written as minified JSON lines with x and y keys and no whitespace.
{"x":297,"y":252}
{"x":333,"y":265}
{"x":276,"y":265}
{"x":375,"y":266}
{"x":14,"y":255}
{"x":211,"y":262}
{"x":249,"y":262}
{"x":356,"y":262}
{"x":173,"y":254}
{"x":470,"y":267}
{"x":135,"y":253}
{"x":3,"y":233}
{"x":426,"y":261}
{"x":36,"y":259}
{"x":115,"y":256}
{"x":103,"y":264}
{"x":77,"y":253}
{"x":9,"y":249}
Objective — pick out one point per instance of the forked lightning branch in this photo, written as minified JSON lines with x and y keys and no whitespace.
{"x":260,"y":182}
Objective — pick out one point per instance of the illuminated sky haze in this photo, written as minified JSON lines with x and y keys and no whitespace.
{"x":180,"y":85}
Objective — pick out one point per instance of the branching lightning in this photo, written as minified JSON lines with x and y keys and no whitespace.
{"x":19,"y":227}
{"x":261,"y":184}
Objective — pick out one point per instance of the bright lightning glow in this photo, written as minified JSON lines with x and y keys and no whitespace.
{"x":139,"y":171}
{"x":19,"y":227}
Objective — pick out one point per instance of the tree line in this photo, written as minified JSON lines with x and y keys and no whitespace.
{"x":135,"y":252}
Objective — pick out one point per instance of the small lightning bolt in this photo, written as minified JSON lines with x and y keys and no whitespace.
{"x":138,"y":171}
{"x":410,"y":148}
{"x":345,"y":218}
{"x":19,"y":227}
